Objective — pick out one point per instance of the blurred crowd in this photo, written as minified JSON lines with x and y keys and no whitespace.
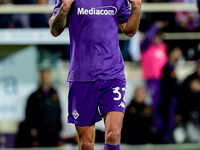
{"x":172,"y":22}
{"x":179,"y":21}
{"x":173,"y":116}
{"x":24,"y":20}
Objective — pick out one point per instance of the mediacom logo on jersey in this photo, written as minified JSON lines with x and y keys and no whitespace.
{"x":104,"y":10}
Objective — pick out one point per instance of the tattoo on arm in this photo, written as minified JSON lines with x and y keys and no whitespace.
{"x":134,"y":8}
{"x":60,"y":20}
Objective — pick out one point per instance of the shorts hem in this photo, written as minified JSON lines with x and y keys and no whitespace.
{"x":83,"y":124}
{"x":103,"y":114}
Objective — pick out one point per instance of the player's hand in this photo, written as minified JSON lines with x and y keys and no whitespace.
{"x":67,"y":3}
{"x":135,"y":3}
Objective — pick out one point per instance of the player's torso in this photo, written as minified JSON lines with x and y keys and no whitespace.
{"x":93,"y":27}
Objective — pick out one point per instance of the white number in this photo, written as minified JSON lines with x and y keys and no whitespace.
{"x":124,"y":98}
{"x":116,"y":91}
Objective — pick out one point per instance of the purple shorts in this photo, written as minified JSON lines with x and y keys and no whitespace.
{"x":88,"y":102}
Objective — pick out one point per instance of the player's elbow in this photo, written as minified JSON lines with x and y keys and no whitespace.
{"x":54,"y":30}
{"x":54,"y":33}
{"x":130,"y":31}
{"x":130,"y":34}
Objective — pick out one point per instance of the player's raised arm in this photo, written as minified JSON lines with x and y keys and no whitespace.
{"x":131,"y":26}
{"x":58,"y":22}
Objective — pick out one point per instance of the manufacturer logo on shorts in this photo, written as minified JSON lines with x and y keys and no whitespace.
{"x":75,"y":114}
{"x":104,"y":10}
{"x":122,"y":105}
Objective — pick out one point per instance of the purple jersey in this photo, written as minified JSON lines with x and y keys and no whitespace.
{"x":94,"y":43}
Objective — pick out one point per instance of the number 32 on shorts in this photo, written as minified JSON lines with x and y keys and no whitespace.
{"x":116,"y":90}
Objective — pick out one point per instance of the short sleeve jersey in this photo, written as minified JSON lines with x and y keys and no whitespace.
{"x":94,"y":43}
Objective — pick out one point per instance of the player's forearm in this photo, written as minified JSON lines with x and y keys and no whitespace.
{"x":131,"y":27}
{"x":58,"y":22}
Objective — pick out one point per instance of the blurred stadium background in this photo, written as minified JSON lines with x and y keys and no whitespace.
{"x":19,"y":72}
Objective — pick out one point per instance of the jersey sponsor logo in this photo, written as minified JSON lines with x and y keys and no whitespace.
{"x":75,"y":114}
{"x":104,"y":10}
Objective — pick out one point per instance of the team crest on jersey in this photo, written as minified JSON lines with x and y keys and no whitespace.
{"x":75,"y":114}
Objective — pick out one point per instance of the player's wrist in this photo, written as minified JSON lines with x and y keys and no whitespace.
{"x":66,"y":6}
{"x":135,"y":5}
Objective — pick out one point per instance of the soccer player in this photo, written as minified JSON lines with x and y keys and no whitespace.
{"x":96,"y":72}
